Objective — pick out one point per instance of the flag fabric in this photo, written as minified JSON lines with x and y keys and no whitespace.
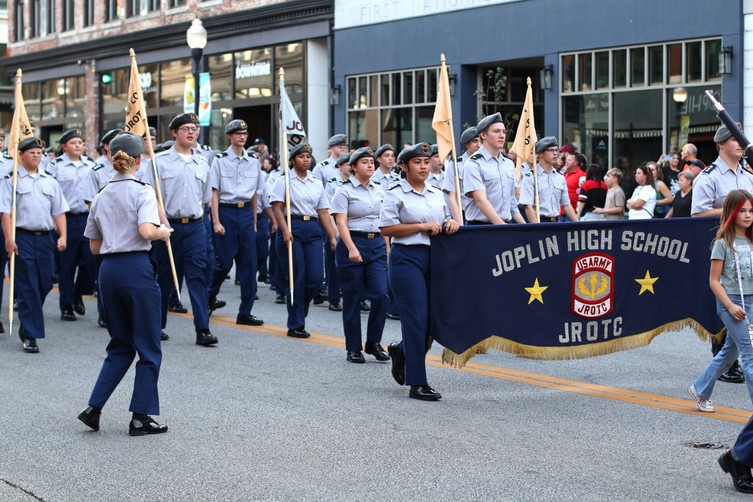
{"x":441,"y":123}
{"x":136,"y":119}
{"x":289,"y":121}
{"x":570,"y":290}
{"x":525,"y":137}
{"x":20,"y":128}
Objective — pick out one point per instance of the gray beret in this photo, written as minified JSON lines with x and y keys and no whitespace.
{"x":722,"y":134}
{"x":30,"y":143}
{"x":108,"y":136}
{"x":128,"y":142}
{"x":411,"y":152}
{"x":152,"y":133}
{"x":70,"y":134}
{"x":485,"y":122}
{"x":299,"y":149}
{"x":546,"y":142}
{"x":235,"y":126}
{"x":343,"y":159}
{"x":183,"y":119}
{"x":361,"y":153}
{"x":383,"y":149}
{"x":434,"y":150}
{"x":469,"y":135}
{"x":337,"y":139}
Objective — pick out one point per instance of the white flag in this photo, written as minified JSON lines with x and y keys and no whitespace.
{"x":289,"y":121}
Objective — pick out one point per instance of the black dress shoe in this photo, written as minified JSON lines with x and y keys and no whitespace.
{"x":732,"y":377}
{"x":299,"y":333}
{"x":248,"y":320}
{"x":67,"y":315}
{"x":365,"y":307}
{"x":280,"y":299}
{"x":398,"y":363}
{"x":740,"y":472}
{"x":237,"y":282}
{"x":78,"y":306}
{"x":377,"y":351}
{"x":178,"y":308}
{"x":424,"y":393}
{"x":335,"y":307}
{"x":264,"y":279}
{"x":164,"y":336}
{"x":101,"y":322}
{"x":216,"y":304}
{"x":393,"y":317}
{"x":90,"y":417}
{"x":143,"y":427}
{"x":205,"y":337}
{"x":320,"y":296}
{"x":2,"y":328}
{"x":30,"y":346}
{"x":355,"y":357}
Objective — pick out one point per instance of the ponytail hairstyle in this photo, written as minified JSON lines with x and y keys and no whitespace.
{"x":732,"y":205}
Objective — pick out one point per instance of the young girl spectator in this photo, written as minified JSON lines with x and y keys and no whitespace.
{"x":593,"y":194}
{"x":614,"y":207}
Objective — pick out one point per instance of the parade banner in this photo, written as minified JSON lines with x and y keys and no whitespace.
{"x":570,"y":290}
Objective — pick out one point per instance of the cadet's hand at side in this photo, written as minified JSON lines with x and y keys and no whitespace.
{"x":11,"y":248}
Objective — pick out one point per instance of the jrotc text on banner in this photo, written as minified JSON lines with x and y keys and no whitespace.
{"x":289,"y":121}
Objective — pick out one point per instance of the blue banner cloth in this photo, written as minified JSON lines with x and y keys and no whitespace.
{"x":570,"y":290}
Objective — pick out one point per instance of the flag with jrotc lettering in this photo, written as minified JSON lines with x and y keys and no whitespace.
{"x":443,"y":115}
{"x":290,"y":123}
{"x":525,"y":137}
{"x":21,"y":127}
{"x":136,"y":119}
{"x":570,"y":290}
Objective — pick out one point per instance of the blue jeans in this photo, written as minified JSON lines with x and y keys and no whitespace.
{"x":737,"y":343}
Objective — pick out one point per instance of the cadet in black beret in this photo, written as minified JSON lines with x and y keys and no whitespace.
{"x":414,"y":151}
{"x":30,"y":143}
{"x":183,"y":119}
{"x":485,"y":122}
{"x":108,"y":136}
{"x":71,"y":134}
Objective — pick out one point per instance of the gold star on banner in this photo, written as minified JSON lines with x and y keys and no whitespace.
{"x":647,"y":283}
{"x":536,"y":291}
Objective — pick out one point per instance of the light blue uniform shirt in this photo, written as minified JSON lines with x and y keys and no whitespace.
{"x":72,"y":177}
{"x":99,"y":176}
{"x":403,"y":204}
{"x":495,"y":176}
{"x":385,"y":180}
{"x":333,"y":185}
{"x":116,"y":213}
{"x":448,"y":182}
{"x":362,"y":204}
{"x":306,"y":195}
{"x":236,"y":178}
{"x":326,"y":170}
{"x":185,"y":183}
{"x":711,"y":187}
{"x":39,"y":199}
{"x":552,"y":192}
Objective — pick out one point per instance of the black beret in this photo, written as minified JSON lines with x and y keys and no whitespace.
{"x":414,"y":151}
{"x":722,"y":134}
{"x":163,"y":147}
{"x":236,"y":125}
{"x":252,"y":149}
{"x":107,"y":137}
{"x":30,"y":143}
{"x":183,"y":119}
{"x":546,"y":142}
{"x":128,"y":142}
{"x":69,"y":135}
{"x":299,"y":149}
{"x":337,"y":139}
{"x":485,"y":122}
{"x":343,"y":159}
{"x":152,"y":133}
{"x":469,"y":135}
{"x":258,"y":141}
{"x":383,"y":149}
{"x":361,"y":153}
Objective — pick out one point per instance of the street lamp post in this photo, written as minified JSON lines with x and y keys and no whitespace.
{"x":196,"y":36}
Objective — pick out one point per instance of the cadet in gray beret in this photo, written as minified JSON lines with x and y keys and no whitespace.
{"x":469,"y":134}
{"x":343,"y":159}
{"x":385,"y":147}
{"x":552,"y":188}
{"x":235,"y":126}
{"x":384,"y":175}
{"x":299,"y":149}
{"x":436,"y":175}
{"x":722,"y":134}
{"x":327,"y":169}
{"x":485,"y":122}
{"x":127,"y":142}
{"x":546,"y":142}
{"x":337,"y":139}
{"x":414,"y":151}
{"x":361,"y":152}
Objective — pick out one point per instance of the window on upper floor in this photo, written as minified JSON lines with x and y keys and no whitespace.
{"x":88,"y":12}
{"x":68,"y":15}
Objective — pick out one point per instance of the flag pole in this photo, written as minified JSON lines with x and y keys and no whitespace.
{"x":454,"y":151}
{"x":441,"y":122}
{"x":141,"y":112}
{"x":15,"y":128}
{"x":284,"y":136}
{"x":525,"y":144}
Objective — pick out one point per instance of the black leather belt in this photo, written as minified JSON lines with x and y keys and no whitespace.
{"x":550,"y":218}
{"x":367,"y":235}
{"x":182,"y":221}
{"x":81,"y":213}
{"x":235,"y":205}
{"x":37,"y":233}
{"x":303,"y":218}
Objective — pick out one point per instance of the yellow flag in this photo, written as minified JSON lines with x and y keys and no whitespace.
{"x":441,"y":123}
{"x":525,"y":138}
{"x":20,"y":128}
{"x":136,"y":120}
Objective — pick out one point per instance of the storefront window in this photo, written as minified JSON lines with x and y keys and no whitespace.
{"x":75,"y":99}
{"x":52,"y":99}
{"x":619,"y":68}
{"x":602,"y":70}
{"x":586,"y":125}
{"x":693,"y":121}
{"x":31,"y":92}
{"x":114,"y":93}
{"x":363,"y":127}
{"x":173,"y":82}
{"x":674,"y":64}
{"x":221,"y":68}
{"x":638,"y":67}
{"x":656,"y":65}
{"x":637,"y":119}
{"x":290,"y":57}
{"x":568,"y":73}
{"x":584,"y":72}
{"x":253,"y":74}
{"x":713,"y":53}
{"x":397,"y":127}
{"x":693,"y":61}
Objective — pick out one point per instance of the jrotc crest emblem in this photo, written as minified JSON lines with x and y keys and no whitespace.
{"x":592,"y":285}
{"x":425,"y":148}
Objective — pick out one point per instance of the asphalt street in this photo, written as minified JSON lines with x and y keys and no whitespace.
{"x":265,"y":417}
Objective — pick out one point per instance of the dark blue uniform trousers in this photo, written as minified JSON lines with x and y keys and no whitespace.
{"x":333,"y":284}
{"x":76,"y":254}
{"x":34,"y":266}
{"x":367,"y":279}
{"x":239,"y":244}
{"x":743,"y":448}
{"x":4,"y":262}
{"x":262,"y":243}
{"x":308,"y":269}
{"x":209,"y":233}
{"x":131,"y":300}
{"x":189,"y":251}
{"x":411,"y":283}
{"x":275,"y":264}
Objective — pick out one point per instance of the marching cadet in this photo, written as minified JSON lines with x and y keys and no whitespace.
{"x":361,"y":256}
{"x":385,"y":162}
{"x":40,"y":207}
{"x":275,"y":272}
{"x":489,"y":180}
{"x":436,"y":175}
{"x":6,"y":167}
{"x":146,"y":163}
{"x":327,"y":169}
{"x":308,"y":210}
{"x":265,"y":226}
{"x":186,"y":187}
{"x":122,"y":222}
{"x":469,"y":138}
{"x":71,"y":170}
{"x":552,"y":188}
{"x":333,"y":284}
{"x":99,"y":176}
{"x":236,"y":179}
{"x":411,"y":213}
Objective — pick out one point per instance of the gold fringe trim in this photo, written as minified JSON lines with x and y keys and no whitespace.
{"x":578,"y":351}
